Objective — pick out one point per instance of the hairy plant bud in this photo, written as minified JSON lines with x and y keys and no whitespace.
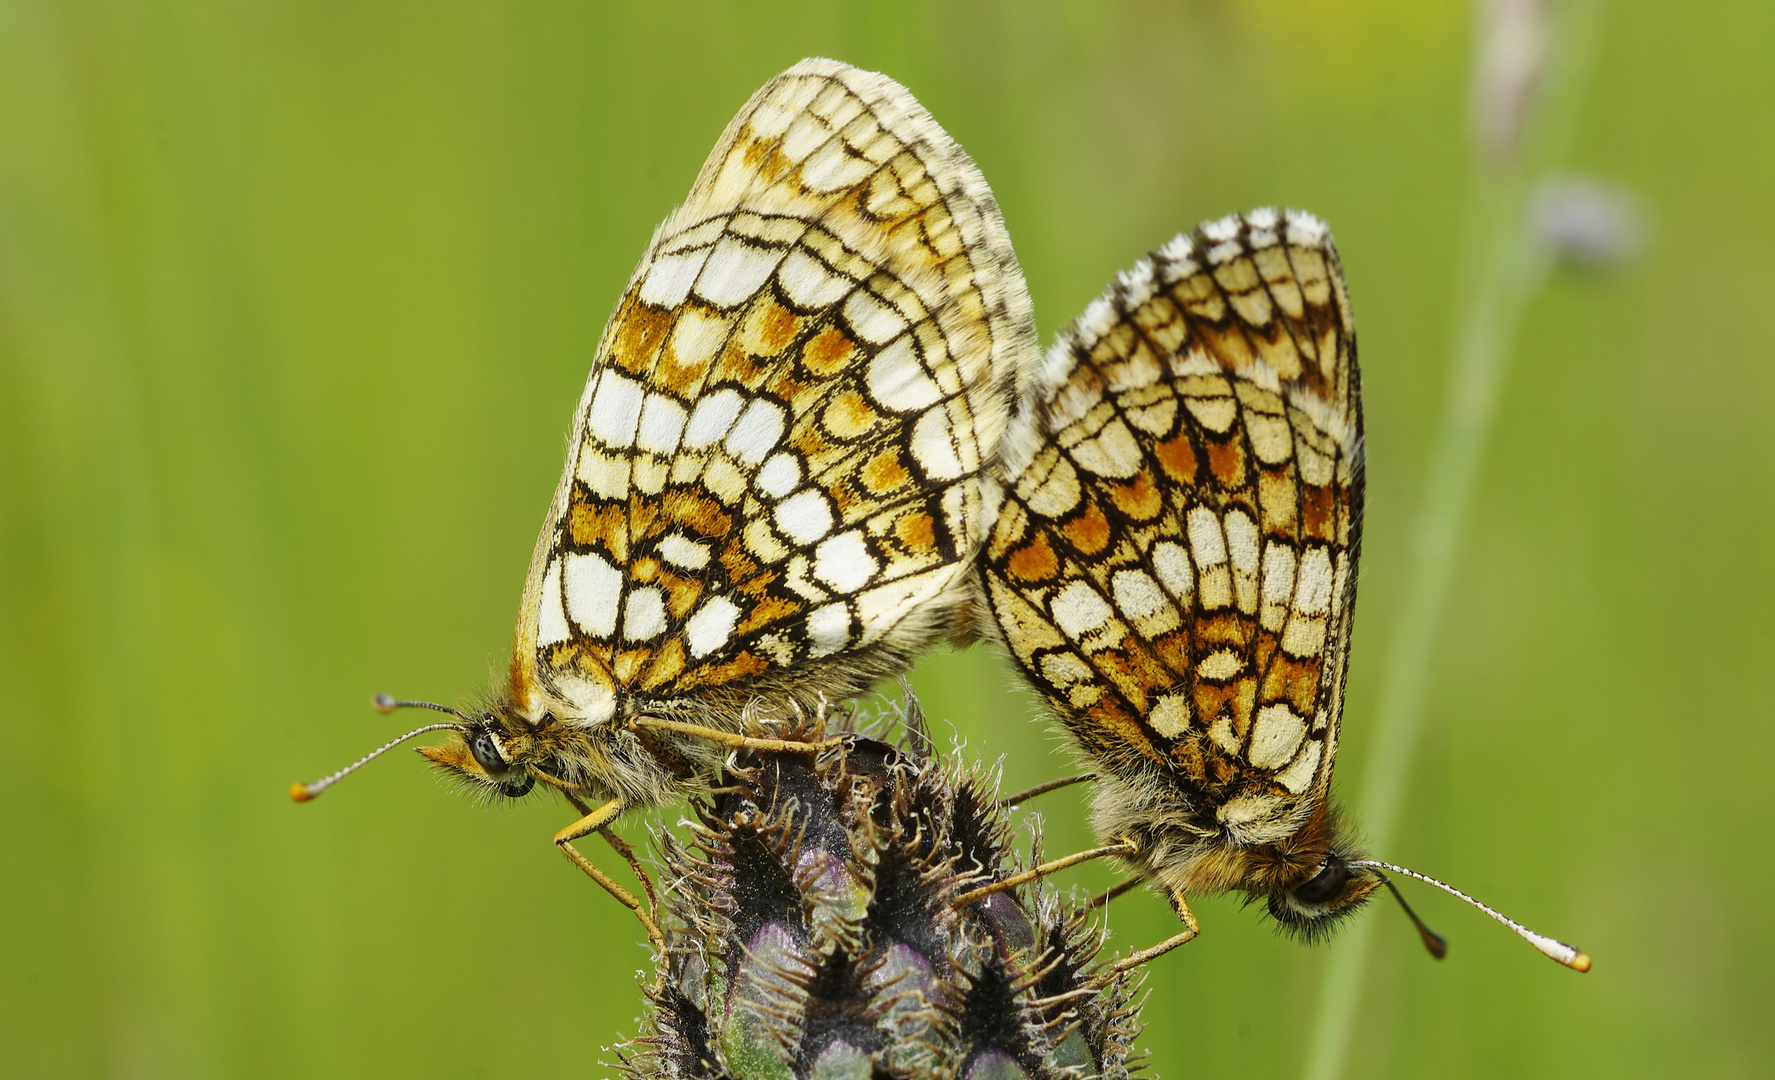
{"x":813,"y":935}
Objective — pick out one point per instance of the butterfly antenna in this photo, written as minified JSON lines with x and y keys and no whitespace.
{"x":1559,"y":951}
{"x":1436,"y":943}
{"x":386,"y":704}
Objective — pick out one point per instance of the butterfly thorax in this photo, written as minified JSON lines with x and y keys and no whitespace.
{"x":506,"y":751}
{"x":1183,"y":848}
{"x":535,"y":729}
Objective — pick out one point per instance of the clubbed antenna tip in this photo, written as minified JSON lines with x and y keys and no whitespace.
{"x":1558,"y":951}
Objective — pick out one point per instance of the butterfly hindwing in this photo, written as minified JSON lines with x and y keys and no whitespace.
{"x":776,"y":459}
{"x":1174,"y":566}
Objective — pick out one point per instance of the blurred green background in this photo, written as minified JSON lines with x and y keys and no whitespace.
{"x":295,"y":301}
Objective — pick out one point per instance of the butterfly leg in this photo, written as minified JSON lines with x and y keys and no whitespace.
{"x":621,"y":847}
{"x":1102,"y":899}
{"x":737,"y":741}
{"x":1120,"y":847}
{"x":598,"y":821}
{"x":1134,"y":960}
{"x":1042,"y":789}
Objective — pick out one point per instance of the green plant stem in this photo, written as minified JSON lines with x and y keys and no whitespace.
{"x":1499,"y":272}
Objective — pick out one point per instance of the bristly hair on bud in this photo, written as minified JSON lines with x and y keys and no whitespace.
{"x":813,"y":933}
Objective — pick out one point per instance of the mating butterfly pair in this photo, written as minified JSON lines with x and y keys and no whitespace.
{"x":818,"y":435}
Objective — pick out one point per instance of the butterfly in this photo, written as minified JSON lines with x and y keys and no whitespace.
{"x":1174,"y":567}
{"x":773,"y":492}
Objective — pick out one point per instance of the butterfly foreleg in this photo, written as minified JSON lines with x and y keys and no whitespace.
{"x":1133,"y":960}
{"x":620,"y":846}
{"x":598,"y":821}
{"x":1128,"y":885}
{"x":1027,"y":794}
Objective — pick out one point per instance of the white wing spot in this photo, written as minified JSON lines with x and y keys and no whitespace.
{"x":873,"y":320}
{"x":696,"y":337}
{"x":808,"y":284}
{"x":712,"y":418}
{"x":1205,"y":537}
{"x":662,"y":421}
{"x":1275,"y":735}
{"x":833,"y":168}
{"x":736,"y":271}
{"x":1137,"y":283}
{"x":1137,"y":595}
{"x":1208,"y":545}
{"x":551,"y":622}
{"x":1179,"y":247}
{"x":605,"y":475}
{"x":1222,"y":228}
{"x":616,"y":406}
{"x":644,"y":615}
{"x":1242,"y":545}
{"x":779,"y":476}
{"x":844,"y":562}
{"x":1065,"y":669}
{"x":1170,"y":715}
{"x":880,"y":609}
{"x":710,"y":626}
{"x":805,"y":517}
{"x":898,"y":381}
{"x":1297,"y":776}
{"x":829,"y":629}
{"x":1278,"y":584}
{"x":1305,"y":230}
{"x":1220,"y":665}
{"x":1058,"y":491}
{"x":669,"y":279}
{"x":933,"y":446}
{"x":1112,"y":453}
{"x":756,"y":433}
{"x":1270,"y":436}
{"x":1175,"y":573}
{"x":1214,"y":413}
{"x":1079,"y":609}
{"x":1313,"y":595}
{"x":683,"y":552}
{"x":1225,"y":253}
{"x":593,"y":588}
{"x":1099,"y":317}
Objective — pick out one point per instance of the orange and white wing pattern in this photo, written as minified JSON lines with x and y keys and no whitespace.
{"x":776,"y":460}
{"x":1175,"y":563}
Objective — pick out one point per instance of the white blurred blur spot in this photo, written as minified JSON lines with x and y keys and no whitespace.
{"x":1585,"y":222}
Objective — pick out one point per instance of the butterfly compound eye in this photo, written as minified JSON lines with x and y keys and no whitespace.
{"x":487,"y":754}
{"x":1326,"y":884}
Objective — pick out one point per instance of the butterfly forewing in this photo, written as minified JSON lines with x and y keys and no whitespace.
{"x":1175,"y":562}
{"x":776,"y":459}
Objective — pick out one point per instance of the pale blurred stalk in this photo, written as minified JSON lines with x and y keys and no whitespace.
{"x":1521,"y":129}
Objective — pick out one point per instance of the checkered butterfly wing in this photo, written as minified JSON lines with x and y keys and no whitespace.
{"x":775,"y":461}
{"x":1175,"y":563}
